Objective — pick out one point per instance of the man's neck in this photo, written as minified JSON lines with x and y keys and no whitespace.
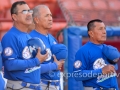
{"x":41,"y":30}
{"x":21,"y":27}
{"x":96,"y":42}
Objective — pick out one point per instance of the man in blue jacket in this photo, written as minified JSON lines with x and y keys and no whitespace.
{"x":43,"y":23}
{"x":21,"y":70}
{"x":91,"y":64}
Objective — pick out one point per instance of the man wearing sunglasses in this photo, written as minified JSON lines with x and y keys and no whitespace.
{"x":22,"y":71}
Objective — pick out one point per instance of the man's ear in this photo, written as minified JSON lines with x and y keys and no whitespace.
{"x":36,"y":20}
{"x":14,"y":17}
{"x":90,"y":33}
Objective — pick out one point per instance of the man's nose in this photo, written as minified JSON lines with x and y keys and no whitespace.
{"x":50,"y":18}
{"x":104,"y":31}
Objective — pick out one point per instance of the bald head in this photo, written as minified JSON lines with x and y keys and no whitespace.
{"x":37,"y":9}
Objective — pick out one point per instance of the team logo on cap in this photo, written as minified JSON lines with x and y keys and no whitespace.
{"x":32,"y":48}
{"x":8,"y":51}
{"x":77,"y":64}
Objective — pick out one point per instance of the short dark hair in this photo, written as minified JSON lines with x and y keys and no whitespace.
{"x":14,"y":6}
{"x":90,"y":24}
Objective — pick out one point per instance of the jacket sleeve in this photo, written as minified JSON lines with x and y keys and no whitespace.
{"x":19,"y":64}
{"x":48,"y":67}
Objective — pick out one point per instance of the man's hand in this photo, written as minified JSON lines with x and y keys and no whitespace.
{"x":41,"y":57}
{"x":59,"y":63}
{"x":108,"y":69}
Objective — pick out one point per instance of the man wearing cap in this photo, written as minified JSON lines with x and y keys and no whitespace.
{"x":43,"y":23}
{"x":92,"y":63}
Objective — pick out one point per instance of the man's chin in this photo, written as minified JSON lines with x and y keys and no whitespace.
{"x":103,"y":41}
{"x":49,"y":28}
{"x":29,"y":23}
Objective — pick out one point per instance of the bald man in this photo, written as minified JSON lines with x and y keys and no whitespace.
{"x":43,"y":20}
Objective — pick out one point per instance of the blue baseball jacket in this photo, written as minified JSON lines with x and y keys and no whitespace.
{"x":88,"y":65}
{"x":18,"y":64}
{"x":48,"y":41}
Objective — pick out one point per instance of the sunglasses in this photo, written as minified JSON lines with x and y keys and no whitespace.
{"x":26,"y":11}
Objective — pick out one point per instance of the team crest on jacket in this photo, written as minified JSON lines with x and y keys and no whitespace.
{"x":77,"y":64}
{"x":26,"y":53}
{"x":8,"y":51}
{"x":99,"y":63}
